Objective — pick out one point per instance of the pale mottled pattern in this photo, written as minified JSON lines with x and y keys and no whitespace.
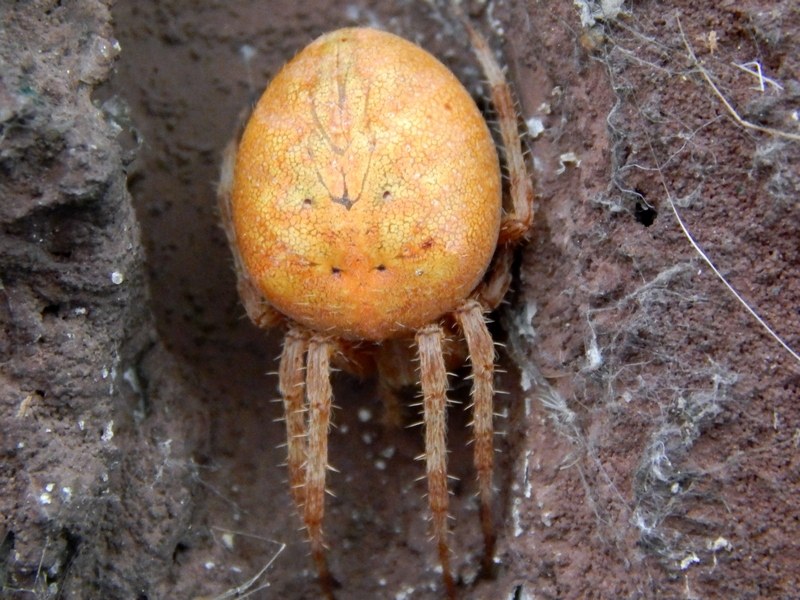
{"x":367,"y":197}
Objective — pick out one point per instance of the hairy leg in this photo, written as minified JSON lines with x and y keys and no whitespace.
{"x":291,"y":387}
{"x":517,"y":223}
{"x":259,"y":311}
{"x":495,"y":284}
{"x":481,"y":350}
{"x":396,"y":370}
{"x":318,"y":390}
{"x":433,"y":377}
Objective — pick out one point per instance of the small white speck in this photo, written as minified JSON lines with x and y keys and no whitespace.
{"x":227,"y":540}
{"x":66,"y":493}
{"x":247,"y":52}
{"x":81,"y":310}
{"x":380,"y":465}
{"x":209,"y":565}
{"x":676,"y":488}
{"x":525,"y":382}
{"x":404,"y":594}
{"x":594,"y":358}
{"x":108,"y":432}
{"x":117,"y":277}
{"x":352,"y":12}
{"x":104,"y":373}
{"x":343,"y":428}
{"x":81,"y":424}
{"x":45,"y":498}
{"x":50,"y":486}
{"x":515,"y":517}
{"x":236,"y":569}
{"x":367,"y":438}
{"x":522,"y":594}
{"x":132,"y":380}
{"x":719,"y":544}
{"x":387,"y":452}
{"x":535,"y":127}
{"x":364,"y":414}
{"x":528,"y":485}
{"x":568,"y":158}
{"x":689,"y":560}
{"x":20,"y":445}
{"x":104,"y":48}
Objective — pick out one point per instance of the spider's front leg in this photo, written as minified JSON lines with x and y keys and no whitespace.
{"x":517,"y":223}
{"x":481,"y":351}
{"x":433,"y":379}
{"x":307,"y":425}
{"x":292,"y":390}
{"x":320,"y":394}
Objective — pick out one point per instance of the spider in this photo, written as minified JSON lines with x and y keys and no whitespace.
{"x":363,"y":204}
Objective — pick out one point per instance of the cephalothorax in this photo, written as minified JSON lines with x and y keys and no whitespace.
{"x":363,"y":205}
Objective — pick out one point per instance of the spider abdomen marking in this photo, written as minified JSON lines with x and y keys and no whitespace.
{"x":367,"y":194}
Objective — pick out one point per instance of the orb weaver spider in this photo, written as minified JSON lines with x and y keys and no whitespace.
{"x":363,"y":204}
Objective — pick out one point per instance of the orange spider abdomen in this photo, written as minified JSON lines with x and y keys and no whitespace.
{"x":367,"y":190}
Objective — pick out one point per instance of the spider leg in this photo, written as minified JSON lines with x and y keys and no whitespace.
{"x":392,"y":406}
{"x":481,"y":350}
{"x":433,"y":377}
{"x":495,"y":284}
{"x":396,"y":370}
{"x":517,"y":223}
{"x":290,"y":385}
{"x":319,"y":393}
{"x":259,"y":311}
